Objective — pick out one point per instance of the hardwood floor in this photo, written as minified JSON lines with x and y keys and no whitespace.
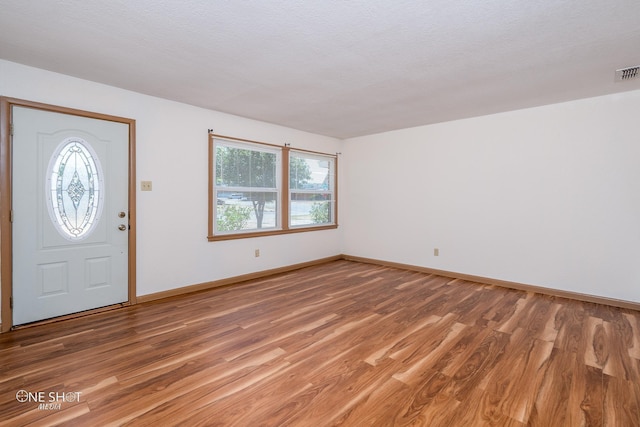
{"x":342,"y":343}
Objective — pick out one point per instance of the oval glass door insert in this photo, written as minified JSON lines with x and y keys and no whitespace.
{"x":74,"y":189}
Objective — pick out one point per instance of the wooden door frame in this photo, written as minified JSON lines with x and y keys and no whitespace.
{"x":6,"y":176}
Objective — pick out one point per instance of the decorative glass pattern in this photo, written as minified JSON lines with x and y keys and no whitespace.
{"x":75,"y":189}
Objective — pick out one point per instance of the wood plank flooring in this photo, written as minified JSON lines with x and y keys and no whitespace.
{"x":342,"y":343}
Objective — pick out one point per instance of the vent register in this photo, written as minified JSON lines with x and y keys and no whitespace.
{"x":628,"y":73}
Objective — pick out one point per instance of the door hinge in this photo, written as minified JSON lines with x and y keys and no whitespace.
{"x":11,"y":303}
{"x":11,"y":129}
{"x":11,"y":216}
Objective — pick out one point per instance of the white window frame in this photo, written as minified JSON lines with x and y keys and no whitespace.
{"x":249,"y":146}
{"x":330,"y":184}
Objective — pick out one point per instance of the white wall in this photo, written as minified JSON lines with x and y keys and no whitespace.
{"x":173,"y":250}
{"x":547,"y":196}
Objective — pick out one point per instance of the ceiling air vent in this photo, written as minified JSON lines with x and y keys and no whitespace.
{"x":627,"y":73}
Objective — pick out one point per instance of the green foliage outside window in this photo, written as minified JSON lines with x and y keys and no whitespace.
{"x":233,"y":217}
{"x":320,"y":212}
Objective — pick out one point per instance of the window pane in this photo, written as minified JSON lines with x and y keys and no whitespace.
{"x":239,"y":167}
{"x":310,"y":173}
{"x":311,"y":189}
{"x":246,"y":211}
{"x":311,"y":208}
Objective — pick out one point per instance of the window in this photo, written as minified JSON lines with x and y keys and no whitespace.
{"x":74,"y":189}
{"x":247,"y":187}
{"x":311,"y":189}
{"x":258,"y":189}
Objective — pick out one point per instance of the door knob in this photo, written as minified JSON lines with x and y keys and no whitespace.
{"x":122,"y":227}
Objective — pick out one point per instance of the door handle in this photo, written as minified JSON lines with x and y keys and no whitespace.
{"x":122,"y":227}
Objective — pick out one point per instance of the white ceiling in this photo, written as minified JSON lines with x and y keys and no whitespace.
{"x":341,"y":68}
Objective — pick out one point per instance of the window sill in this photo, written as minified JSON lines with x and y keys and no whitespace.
{"x":269,"y":233}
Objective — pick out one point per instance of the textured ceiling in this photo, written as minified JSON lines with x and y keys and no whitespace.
{"x":341,"y":68}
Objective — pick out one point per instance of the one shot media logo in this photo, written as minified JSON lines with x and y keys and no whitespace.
{"x":48,"y":400}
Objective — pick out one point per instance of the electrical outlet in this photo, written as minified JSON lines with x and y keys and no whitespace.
{"x":257,"y":253}
{"x":145,"y":185}
{"x":436,"y":252}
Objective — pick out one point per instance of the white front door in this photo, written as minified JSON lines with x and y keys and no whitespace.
{"x":70,"y":213}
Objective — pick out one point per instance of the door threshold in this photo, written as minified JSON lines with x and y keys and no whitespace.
{"x":71,"y":316}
